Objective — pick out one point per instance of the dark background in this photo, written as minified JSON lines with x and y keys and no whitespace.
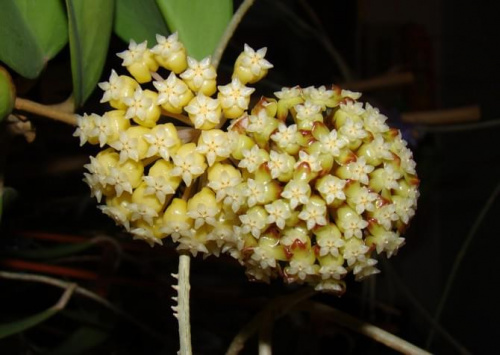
{"x":451,"y":47}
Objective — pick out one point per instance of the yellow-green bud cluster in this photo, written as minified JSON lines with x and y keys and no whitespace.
{"x":307,"y":185}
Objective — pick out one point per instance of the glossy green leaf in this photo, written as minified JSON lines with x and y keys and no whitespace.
{"x":90,"y":24}
{"x":81,"y":341}
{"x":31,"y":33}
{"x":7,"y":93}
{"x":139,"y":20}
{"x":200,"y":23}
{"x":8,"y":329}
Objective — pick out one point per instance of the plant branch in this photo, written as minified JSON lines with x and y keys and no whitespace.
{"x":230,"y":29}
{"x":83,"y":292}
{"x":275,"y":309}
{"x":362,"y":327}
{"x":45,"y":111}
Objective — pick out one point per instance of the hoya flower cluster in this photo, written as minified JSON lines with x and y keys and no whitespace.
{"x":308,"y":185}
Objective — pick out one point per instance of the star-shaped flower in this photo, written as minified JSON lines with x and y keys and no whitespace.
{"x":127,"y":146}
{"x":297,"y":192}
{"x":331,"y":188}
{"x":204,"y":110}
{"x":279,"y":212}
{"x":313,"y":213}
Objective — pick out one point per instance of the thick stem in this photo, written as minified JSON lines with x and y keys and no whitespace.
{"x":45,"y":111}
{"x":228,"y":33}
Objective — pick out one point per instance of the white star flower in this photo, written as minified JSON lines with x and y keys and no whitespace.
{"x":158,"y":186}
{"x":313,"y":213}
{"x":252,"y":158}
{"x":353,"y":130}
{"x":363,"y":200}
{"x":235,"y":196}
{"x":193,"y":245}
{"x":292,"y":235}
{"x":254,"y":60}
{"x":160,"y":142}
{"x":138,"y":105}
{"x":407,"y":162}
{"x":390,"y":177}
{"x":330,"y":245}
{"x":288,"y":93}
{"x":301,"y":268}
{"x":374,"y":120}
{"x":119,"y":179}
{"x":186,"y":167}
{"x":285,"y":135}
{"x":365,"y":268}
{"x":279,"y":212}
{"x":112,"y":88}
{"x":171,"y":91}
{"x":264,"y":256}
{"x":223,"y":184}
{"x":331,"y":188}
{"x":277,"y":163}
{"x":203,"y":214}
{"x":353,"y":226}
{"x":307,"y":110}
{"x":167,"y":45}
{"x":331,"y":143}
{"x":297,"y":192}
{"x":312,"y":161}
{"x":352,"y":108}
{"x":102,"y":128}
{"x":385,"y":215}
{"x":336,"y":272}
{"x":145,"y":234}
{"x":143,"y":212}
{"x":319,"y":96}
{"x":127,"y":147}
{"x":203,"y":109}
{"x":359,"y":170}
{"x":354,"y":250}
{"x":176,"y":229}
{"x":381,"y":149}
{"x":350,"y":94}
{"x":135,"y":53}
{"x":235,"y":94}
{"x":254,"y":221}
{"x":198,"y":72}
{"x":213,"y":144}
{"x":255,"y":192}
{"x":116,"y":214}
{"x":85,"y":127}
{"x":404,"y":208}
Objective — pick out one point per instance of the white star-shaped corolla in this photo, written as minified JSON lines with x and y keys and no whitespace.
{"x":147,"y":235}
{"x":203,"y":109}
{"x":116,"y":214}
{"x":264,"y":257}
{"x":331,"y":188}
{"x":85,"y":127}
{"x":176,"y":229}
{"x":353,"y":226}
{"x":235,"y":94}
{"x":193,"y":245}
{"x":359,"y":170}
{"x":127,"y":146}
{"x":336,"y":272}
{"x":255,"y":192}
{"x":235,"y":196}
{"x":374,"y":121}
{"x":222,"y":184}
{"x":279,"y":212}
{"x":203,"y":214}
{"x":198,"y":72}
{"x":407,"y":162}
{"x":390,"y":177}
{"x":354,"y":250}
{"x":288,"y":93}
{"x":171,"y":90}
{"x":301,"y":268}
{"x":166,"y":46}
{"x":221,"y":234}
{"x":352,"y":108}
{"x":331,"y":143}
{"x":143,"y":212}
{"x":291,"y":235}
{"x":297,"y":192}
{"x":385,"y":215}
{"x":388,"y":241}
{"x":258,"y":123}
{"x":320,"y":96}
{"x":158,"y":186}
{"x":353,"y":130}
{"x":119,"y":180}
{"x":285,"y":135}
{"x":254,"y":60}
{"x":350,"y":94}
{"x":254,"y":221}
{"x":307,"y":110}
{"x":313,"y":213}
{"x":330,"y":245}
{"x":365,"y":268}
{"x":252,"y":158}
{"x":160,"y":142}
{"x":138,"y":105}
{"x":364,"y":200}
{"x":135,"y":53}
{"x":277,"y":163}
{"x":102,"y":128}
{"x":112,"y":88}
{"x":213,"y":144}
{"x":186,"y":167}
{"x":405,"y":208}
{"x":381,"y":148}
{"x":96,"y":187}
{"x":311,"y":160}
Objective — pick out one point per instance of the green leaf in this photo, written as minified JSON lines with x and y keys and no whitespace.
{"x":200,"y":23}
{"x":81,"y":341}
{"x":32,"y":32}
{"x":8,"y":329}
{"x":7,"y":96}
{"x":90,"y":23}
{"x":139,"y":20}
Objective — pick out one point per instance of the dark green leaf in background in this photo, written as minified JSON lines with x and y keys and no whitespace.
{"x":31,"y":33}
{"x":139,"y":20}
{"x":7,"y":95}
{"x":200,"y":23}
{"x":90,"y":24}
{"x":81,"y":341}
